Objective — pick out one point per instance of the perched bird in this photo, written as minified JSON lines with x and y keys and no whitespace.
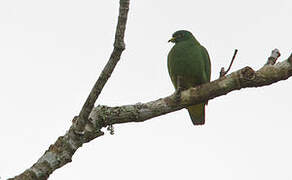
{"x":189,"y":66}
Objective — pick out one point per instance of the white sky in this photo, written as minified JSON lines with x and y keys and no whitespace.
{"x":51,"y":53}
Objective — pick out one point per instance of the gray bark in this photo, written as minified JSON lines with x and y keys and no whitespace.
{"x":88,"y":124}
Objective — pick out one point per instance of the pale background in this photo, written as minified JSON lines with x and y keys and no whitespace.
{"x":51,"y":53}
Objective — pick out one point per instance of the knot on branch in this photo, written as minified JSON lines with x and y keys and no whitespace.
{"x":248,"y":73}
{"x":102,"y":113}
{"x":119,"y":45}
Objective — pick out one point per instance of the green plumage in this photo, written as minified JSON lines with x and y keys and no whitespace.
{"x":189,"y":66}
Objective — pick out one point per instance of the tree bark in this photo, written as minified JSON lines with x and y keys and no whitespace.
{"x":88,"y":124}
{"x":61,"y":152}
{"x":244,"y":78}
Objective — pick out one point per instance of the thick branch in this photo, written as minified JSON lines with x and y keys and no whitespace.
{"x":243,"y":78}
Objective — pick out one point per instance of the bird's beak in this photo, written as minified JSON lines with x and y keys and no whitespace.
{"x":172,"y":39}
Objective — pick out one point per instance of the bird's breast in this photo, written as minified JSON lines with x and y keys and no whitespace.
{"x":186,"y":61}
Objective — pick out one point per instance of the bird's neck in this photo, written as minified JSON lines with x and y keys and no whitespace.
{"x":195,"y":41}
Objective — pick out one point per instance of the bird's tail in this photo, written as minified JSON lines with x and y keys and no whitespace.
{"x":197,"y":114}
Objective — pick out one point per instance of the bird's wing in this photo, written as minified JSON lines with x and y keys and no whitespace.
{"x":207,"y":62}
{"x":170,"y":68}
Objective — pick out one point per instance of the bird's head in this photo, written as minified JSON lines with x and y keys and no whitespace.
{"x":181,"y":35}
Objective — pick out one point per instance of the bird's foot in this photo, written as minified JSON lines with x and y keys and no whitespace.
{"x":177,"y":94}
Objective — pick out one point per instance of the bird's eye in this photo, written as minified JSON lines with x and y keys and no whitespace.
{"x":180,"y":35}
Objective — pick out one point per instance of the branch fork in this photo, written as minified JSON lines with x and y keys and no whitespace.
{"x":88,"y":124}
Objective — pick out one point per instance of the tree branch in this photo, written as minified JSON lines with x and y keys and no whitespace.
{"x":85,"y":129}
{"x":243,"y":78}
{"x":61,"y":152}
{"x":81,"y":131}
{"x":223,"y":72}
{"x":274,"y":56}
{"x":119,"y":47}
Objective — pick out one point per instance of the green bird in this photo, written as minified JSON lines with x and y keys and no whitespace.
{"x":189,"y":66}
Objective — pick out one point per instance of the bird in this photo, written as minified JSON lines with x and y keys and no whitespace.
{"x":189,"y":65}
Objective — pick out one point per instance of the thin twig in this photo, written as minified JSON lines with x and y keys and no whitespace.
{"x":223,"y":72}
{"x":273,"y":58}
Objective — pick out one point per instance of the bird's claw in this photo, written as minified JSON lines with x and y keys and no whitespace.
{"x":177,"y":94}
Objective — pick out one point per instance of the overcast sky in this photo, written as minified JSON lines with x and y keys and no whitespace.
{"x":52,"y":52}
